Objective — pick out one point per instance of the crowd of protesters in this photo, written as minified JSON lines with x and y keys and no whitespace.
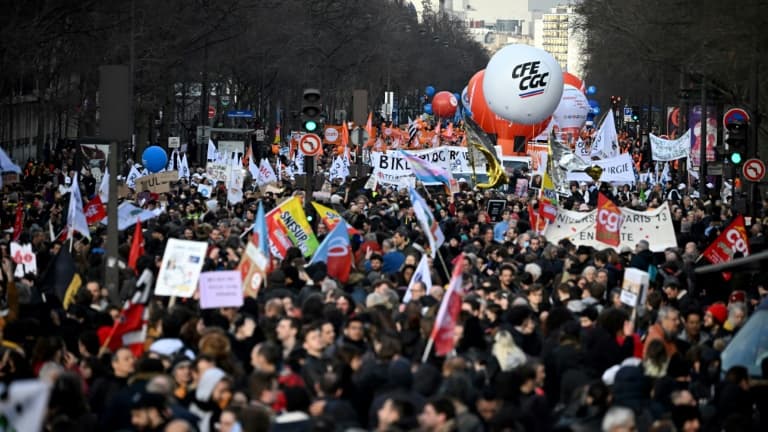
{"x":543,"y":341}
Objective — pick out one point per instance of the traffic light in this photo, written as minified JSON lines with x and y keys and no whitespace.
{"x":310,"y":110}
{"x":635,"y":114}
{"x":736,"y":138}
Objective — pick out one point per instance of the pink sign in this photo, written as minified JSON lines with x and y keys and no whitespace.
{"x":221,"y":289}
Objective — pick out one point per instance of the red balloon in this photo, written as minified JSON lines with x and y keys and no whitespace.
{"x":571,"y":79}
{"x":444,"y":104}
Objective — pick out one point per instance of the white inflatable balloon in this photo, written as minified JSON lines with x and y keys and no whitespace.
{"x":523,"y":84}
{"x":572,"y":111}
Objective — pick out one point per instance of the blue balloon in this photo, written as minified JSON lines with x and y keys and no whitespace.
{"x":591,"y":90}
{"x":430,"y":91}
{"x":428,"y":108}
{"x":154,"y":159}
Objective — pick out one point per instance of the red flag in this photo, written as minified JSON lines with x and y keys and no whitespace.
{"x":18,"y":225}
{"x":733,"y":239}
{"x":537,"y":222}
{"x":94,"y":210}
{"x":137,"y":247}
{"x":547,"y":209}
{"x":448,"y":314}
{"x":608,"y":222}
{"x":131,"y":319}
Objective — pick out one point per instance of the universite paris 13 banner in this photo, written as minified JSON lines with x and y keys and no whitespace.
{"x":654,"y":226}
{"x":288,"y":226}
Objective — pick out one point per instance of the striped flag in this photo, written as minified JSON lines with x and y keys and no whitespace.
{"x":427,"y":172}
{"x":427,"y":222}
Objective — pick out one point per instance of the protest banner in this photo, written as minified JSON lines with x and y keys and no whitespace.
{"x":619,"y":169}
{"x":180,"y":269}
{"x":668,"y":150}
{"x":220,"y":289}
{"x":654,"y":226}
{"x":158,"y":183}
{"x":391,"y":168}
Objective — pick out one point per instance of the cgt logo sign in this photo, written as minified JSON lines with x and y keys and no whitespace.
{"x":736,"y":240}
{"x":531,"y":78}
{"x":611,"y":221}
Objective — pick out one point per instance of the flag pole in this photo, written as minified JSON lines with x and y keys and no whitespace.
{"x":430,"y":342}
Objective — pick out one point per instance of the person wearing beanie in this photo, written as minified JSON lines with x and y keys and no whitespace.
{"x":714,"y":318}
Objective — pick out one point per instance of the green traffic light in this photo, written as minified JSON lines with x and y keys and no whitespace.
{"x":310,"y":125}
{"x":736,"y":158}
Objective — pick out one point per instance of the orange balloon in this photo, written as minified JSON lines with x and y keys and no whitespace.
{"x":571,"y":79}
{"x":509,"y":130}
{"x":481,"y":113}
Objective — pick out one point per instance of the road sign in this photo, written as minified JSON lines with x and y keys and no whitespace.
{"x":211,"y":111}
{"x":174,"y":142}
{"x":734,"y":115}
{"x":240,"y":113}
{"x":753,"y":170}
{"x":310,"y":144}
{"x":627,"y":114}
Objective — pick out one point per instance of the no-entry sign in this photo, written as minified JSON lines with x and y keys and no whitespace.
{"x":753,"y":170}
{"x":310,"y":144}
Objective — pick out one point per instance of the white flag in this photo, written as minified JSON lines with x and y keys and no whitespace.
{"x":104,"y":187}
{"x":421,"y":274}
{"x":266,"y":172}
{"x":130,"y":181}
{"x":213,"y":154}
{"x":183,"y":167}
{"x":76,"y":217}
{"x":298,"y":162}
{"x":171,"y":161}
{"x":337,"y":169}
{"x":606,"y":143}
{"x":665,"y":173}
{"x":254,"y":170}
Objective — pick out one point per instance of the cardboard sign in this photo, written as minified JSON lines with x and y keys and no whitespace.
{"x":182,"y":262}
{"x":496,"y":208}
{"x":634,"y":288}
{"x":24,"y":259}
{"x":226,"y":148}
{"x":221,"y":289}
{"x":157,"y":183}
{"x":217,"y":171}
